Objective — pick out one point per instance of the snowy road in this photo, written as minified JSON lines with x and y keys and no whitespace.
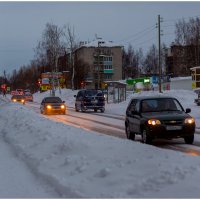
{"x":113,"y":125}
{"x":73,"y":163}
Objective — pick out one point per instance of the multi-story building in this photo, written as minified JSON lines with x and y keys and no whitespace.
{"x":103,"y":62}
{"x":180,"y":59}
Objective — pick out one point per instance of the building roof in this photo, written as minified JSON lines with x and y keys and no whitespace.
{"x":101,"y":43}
{"x":198,"y":67}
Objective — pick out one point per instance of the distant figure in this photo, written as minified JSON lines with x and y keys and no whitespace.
{"x":4,"y":93}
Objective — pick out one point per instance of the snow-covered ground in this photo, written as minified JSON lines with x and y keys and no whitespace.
{"x":80,"y":164}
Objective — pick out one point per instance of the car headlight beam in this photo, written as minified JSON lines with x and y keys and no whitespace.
{"x":189,"y":120}
{"x":62,"y":107}
{"x":48,"y":106}
{"x":154,"y":122}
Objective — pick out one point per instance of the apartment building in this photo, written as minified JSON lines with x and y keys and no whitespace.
{"x":103,"y":60}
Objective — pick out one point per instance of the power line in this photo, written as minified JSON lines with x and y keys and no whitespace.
{"x":138,"y":33}
{"x":142,"y":35}
{"x":150,"y":39}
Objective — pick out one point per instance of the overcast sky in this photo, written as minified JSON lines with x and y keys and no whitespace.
{"x":22,"y":24}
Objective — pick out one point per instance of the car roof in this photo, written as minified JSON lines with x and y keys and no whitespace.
{"x":90,"y":89}
{"x":152,"y":97}
{"x":18,"y":95}
{"x":51,"y":97}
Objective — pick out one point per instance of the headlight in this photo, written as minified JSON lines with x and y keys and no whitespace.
{"x":22,"y":100}
{"x":154,"y":122}
{"x":48,"y":106}
{"x":62,"y":107}
{"x":189,"y":121}
{"x":14,"y":100}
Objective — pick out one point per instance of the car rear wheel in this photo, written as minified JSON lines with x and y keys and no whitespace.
{"x":145,"y":137}
{"x":189,"y":139}
{"x":129,"y":134}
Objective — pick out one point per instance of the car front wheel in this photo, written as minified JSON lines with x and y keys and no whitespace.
{"x":145,"y":137}
{"x":189,"y":139}
{"x":129,"y":134}
{"x":76,"y":109}
{"x":82,"y":108}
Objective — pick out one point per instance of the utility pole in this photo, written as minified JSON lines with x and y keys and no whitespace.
{"x":98,"y":66}
{"x":159,"y":56}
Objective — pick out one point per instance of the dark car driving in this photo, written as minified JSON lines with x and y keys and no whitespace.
{"x":88,"y":99}
{"x":18,"y":98}
{"x":50,"y":105}
{"x":158,"y":117}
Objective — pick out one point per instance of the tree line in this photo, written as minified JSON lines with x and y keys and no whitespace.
{"x":54,"y":53}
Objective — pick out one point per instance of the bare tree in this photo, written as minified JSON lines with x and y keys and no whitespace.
{"x":151,"y":61}
{"x":71,"y":45}
{"x":51,"y":47}
{"x":187,"y":43}
{"x":132,"y":60}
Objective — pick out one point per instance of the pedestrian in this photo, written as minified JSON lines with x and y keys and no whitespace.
{"x":4,"y":93}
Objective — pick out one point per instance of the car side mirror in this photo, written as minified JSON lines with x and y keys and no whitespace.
{"x":63,"y":101}
{"x":188,"y":110}
{"x":75,"y":96}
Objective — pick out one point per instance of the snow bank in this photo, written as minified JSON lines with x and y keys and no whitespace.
{"x":80,"y":164}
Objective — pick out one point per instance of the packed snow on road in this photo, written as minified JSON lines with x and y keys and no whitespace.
{"x":41,"y":158}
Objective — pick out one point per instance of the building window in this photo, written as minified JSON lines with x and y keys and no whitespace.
{"x":107,"y":76}
{"x":108,"y":67}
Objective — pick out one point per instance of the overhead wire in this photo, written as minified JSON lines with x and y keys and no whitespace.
{"x":138,"y":33}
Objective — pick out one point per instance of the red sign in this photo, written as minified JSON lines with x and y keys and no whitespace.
{"x":3,"y":86}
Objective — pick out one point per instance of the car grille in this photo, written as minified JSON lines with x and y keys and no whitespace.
{"x":56,"y":107}
{"x":172,"y":122}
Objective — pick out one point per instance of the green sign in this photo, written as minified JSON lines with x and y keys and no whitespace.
{"x":8,"y":89}
{"x":137,"y":80}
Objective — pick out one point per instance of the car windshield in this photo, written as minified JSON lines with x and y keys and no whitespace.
{"x":159,"y":105}
{"x":18,"y":97}
{"x":94,"y":93}
{"x":53,"y":100}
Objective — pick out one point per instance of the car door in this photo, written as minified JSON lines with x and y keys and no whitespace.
{"x":79,"y":98}
{"x":134,"y":116}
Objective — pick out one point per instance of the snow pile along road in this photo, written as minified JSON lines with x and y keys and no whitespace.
{"x":80,"y":164}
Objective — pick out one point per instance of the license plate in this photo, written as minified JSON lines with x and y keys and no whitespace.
{"x":172,"y":128}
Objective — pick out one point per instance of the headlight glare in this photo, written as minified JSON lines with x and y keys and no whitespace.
{"x":62,"y":106}
{"x":154,"y":122}
{"x":49,"y":106}
{"x":189,"y":121}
